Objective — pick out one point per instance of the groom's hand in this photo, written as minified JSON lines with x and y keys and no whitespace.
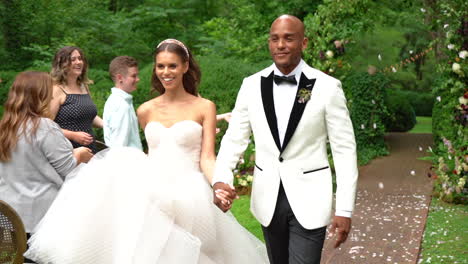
{"x":342,"y":226}
{"x":223,"y":195}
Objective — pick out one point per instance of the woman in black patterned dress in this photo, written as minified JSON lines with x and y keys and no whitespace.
{"x":72,"y":105}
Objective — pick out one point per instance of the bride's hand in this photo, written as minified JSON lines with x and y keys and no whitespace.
{"x":223,"y":196}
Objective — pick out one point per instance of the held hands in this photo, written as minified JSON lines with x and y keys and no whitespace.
{"x":223,"y":195}
{"x":342,"y":225}
{"x":82,"y":138}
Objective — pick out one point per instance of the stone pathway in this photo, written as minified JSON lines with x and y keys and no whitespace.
{"x":393,"y":197}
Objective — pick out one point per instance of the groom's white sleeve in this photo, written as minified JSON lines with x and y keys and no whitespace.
{"x":343,"y":146}
{"x":235,"y":140}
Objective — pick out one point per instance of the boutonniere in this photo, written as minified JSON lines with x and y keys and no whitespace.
{"x":303,"y":95}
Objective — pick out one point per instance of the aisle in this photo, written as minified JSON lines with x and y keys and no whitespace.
{"x":391,"y":206}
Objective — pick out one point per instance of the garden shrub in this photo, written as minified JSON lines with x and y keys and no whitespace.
{"x":221,"y":80}
{"x":6,"y":80}
{"x":422,"y":102}
{"x":401,"y":116}
{"x":450,"y":112}
{"x":365,"y":94}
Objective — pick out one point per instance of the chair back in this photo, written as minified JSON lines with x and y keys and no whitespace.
{"x":12,"y":236}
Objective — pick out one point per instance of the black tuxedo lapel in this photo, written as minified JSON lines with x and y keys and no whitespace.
{"x":297,"y":110}
{"x":269,"y":106}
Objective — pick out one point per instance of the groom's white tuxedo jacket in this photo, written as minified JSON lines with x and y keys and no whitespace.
{"x":300,"y":162}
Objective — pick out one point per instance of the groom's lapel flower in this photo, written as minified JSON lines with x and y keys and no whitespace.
{"x":303,"y":95}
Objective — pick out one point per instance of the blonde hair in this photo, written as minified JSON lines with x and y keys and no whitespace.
{"x":28,"y":100}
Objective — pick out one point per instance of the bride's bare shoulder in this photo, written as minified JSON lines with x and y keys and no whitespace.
{"x":146,"y":107}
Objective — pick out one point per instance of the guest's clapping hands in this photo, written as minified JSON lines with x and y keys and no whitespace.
{"x":341,"y":226}
{"x":223,"y":196}
{"x":82,"y":138}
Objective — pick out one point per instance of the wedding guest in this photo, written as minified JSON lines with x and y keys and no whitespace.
{"x":120,"y":120}
{"x":72,"y":107}
{"x":35,"y":156}
{"x":146,"y":208}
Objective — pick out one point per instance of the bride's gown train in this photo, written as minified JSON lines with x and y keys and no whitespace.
{"x":127,"y":207}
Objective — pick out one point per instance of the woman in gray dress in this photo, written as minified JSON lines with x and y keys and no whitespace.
{"x":35,"y":156}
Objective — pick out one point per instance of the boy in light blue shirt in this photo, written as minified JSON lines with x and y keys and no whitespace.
{"x":120,"y":120}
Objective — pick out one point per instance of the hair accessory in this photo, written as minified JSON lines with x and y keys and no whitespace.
{"x":175,"y":41}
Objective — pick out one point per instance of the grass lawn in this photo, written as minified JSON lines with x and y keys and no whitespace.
{"x":446,"y":235}
{"x":241,"y":210}
{"x":423,"y":125}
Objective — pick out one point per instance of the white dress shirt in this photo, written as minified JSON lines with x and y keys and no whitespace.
{"x":120,"y":121}
{"x":284,"y":97}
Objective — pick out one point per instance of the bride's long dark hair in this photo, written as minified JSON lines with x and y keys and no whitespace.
{"x":191,"y":78}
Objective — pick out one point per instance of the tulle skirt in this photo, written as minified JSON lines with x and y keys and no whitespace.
{"x":123,"y":207}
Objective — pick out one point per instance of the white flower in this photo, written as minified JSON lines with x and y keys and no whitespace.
{"x":393,"y":69}
{"x":438,"y":98}
{"x":375,"y":125}
{"x":463,"y":54}
{"x":362,"y":126}
{"x":411,"y":52}
{"x":456,"y":67}
{"x":373,"y":101}
{"x":446,"y":25}
{"x":249,"y":178}
{"x":461,"y":182}
{"x":450,"y":46}
{"x":243,"y":183}
{"x":423,"y":10}
{"x":329,"y":54}
{"x":379,"y":57}
{"x":463,"y":100}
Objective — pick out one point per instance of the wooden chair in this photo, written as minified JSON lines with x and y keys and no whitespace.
{"x":12,"y":236}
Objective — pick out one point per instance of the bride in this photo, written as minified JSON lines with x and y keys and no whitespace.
{"x":128,"y":207}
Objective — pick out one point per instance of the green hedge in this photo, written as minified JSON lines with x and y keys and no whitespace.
{"x":365,"y":94}
{"x":7,"y":78}
{"x":447,"y":90}
{"x":401,"y":116}
{"x":221,"y":80}
{"x":422,"y":102}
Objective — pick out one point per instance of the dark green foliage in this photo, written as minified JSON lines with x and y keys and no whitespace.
{"x":365,"y":94}
{"x":422,"y":102}
{"x":221,"y":80}
{"x":448,"y":89}
{"x":7,"y":78}
{"x":401,"y":116}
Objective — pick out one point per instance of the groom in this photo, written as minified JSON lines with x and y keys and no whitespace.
{"x":292,"y":110}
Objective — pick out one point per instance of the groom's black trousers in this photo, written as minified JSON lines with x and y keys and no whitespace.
{"x":287,"y":241}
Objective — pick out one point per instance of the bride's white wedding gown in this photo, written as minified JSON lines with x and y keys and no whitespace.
{"x":128,"y":207}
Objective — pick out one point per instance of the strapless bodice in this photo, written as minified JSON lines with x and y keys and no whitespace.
{"x":178,"y":145}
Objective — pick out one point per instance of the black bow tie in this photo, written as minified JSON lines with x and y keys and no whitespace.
{"x":287,"y":79}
